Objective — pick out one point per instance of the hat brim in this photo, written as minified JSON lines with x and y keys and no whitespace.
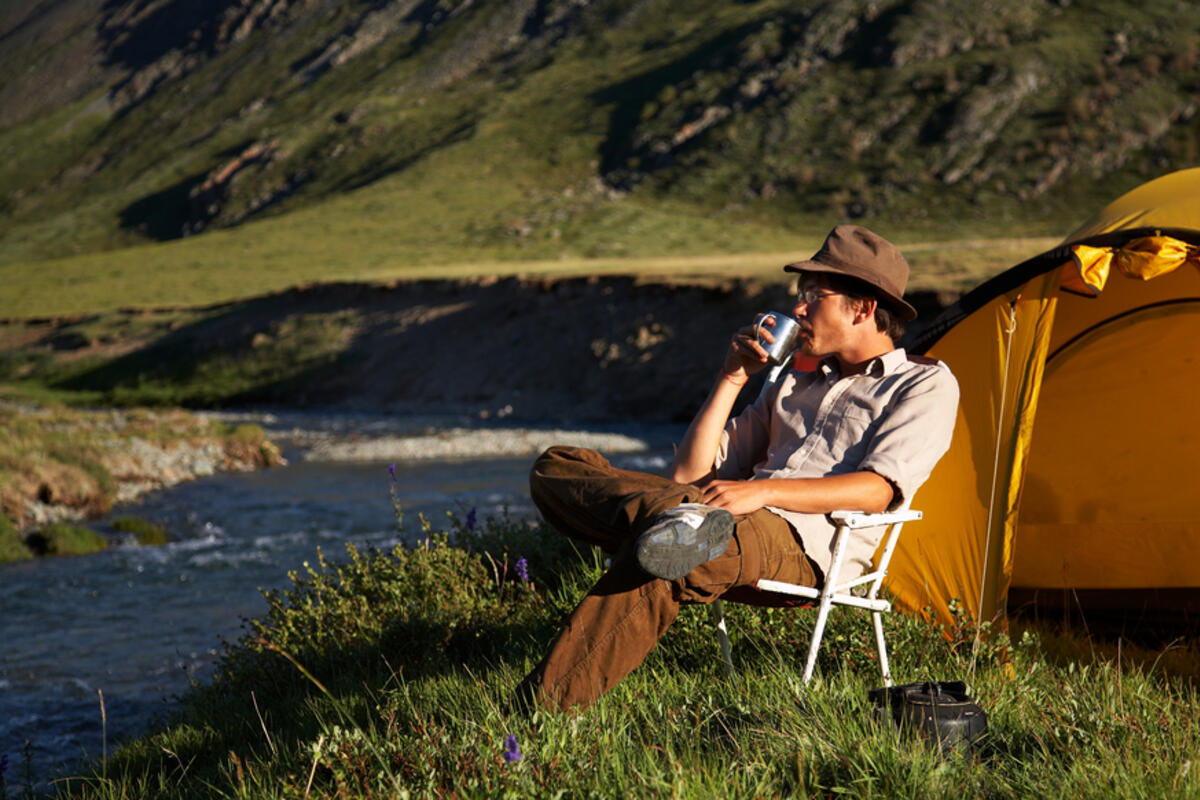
{"x":896,"y":304}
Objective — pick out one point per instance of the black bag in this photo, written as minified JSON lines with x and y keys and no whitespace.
{"x":941,"y":711}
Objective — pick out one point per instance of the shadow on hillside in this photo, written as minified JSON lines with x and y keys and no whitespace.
{"x":163,"y":215}
{"x":246,"y":353}
{"x":188,"y":206}
{"x":232,"y":356}
{"x":135,"y":41}
{"x":379,"y":163}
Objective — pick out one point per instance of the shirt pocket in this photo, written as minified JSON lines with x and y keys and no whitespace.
{"x":850,"y":435}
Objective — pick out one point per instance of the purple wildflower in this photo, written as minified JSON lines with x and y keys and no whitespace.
{"x":511,"y":751}
{"x":392,"y":471}
{"x":471,"y":520}
{"x":522,"y":569}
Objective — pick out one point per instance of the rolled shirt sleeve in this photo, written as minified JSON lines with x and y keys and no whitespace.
{"x":914,"y":434}
{"x":745,"y":439}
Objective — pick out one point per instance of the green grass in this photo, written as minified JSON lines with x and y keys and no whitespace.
{"x":54,"y":455}
{"x":12,"y":544}
{"x":389,"y":675}
{"x":288,"y":252}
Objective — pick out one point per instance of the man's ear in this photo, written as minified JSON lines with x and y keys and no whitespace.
{"x":864,"y":309}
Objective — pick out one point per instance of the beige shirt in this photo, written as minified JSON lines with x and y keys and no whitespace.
{"x":894,"y":419}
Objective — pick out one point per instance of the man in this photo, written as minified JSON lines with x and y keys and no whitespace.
{"x":747,"y":497}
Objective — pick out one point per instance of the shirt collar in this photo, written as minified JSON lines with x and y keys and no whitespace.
{"x":877,"y":367}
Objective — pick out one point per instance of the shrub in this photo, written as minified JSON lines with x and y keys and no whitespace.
{"x":416,"y":606}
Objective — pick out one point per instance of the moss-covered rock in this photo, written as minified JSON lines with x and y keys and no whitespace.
{"x":247,"y":446}
{"x":65,"y":539}
{"x":146,"y":532}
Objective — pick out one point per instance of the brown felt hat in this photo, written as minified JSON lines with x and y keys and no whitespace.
{"x":858,"y":253}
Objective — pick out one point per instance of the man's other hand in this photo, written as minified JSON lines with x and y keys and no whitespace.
{"x":861,"y":491}
{"x":737,"y":497}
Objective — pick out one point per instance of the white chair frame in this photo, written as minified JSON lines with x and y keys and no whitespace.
{"x":833,"y":593}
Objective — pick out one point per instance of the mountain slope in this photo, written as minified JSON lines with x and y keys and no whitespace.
{"x":544,"y":128}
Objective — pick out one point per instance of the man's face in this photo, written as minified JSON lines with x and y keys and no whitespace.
{"x":824,"y":316}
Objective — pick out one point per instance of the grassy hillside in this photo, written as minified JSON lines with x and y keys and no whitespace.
{"x":173,"y":152}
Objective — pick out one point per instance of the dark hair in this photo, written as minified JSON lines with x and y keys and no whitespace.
{"x":886,"y":320}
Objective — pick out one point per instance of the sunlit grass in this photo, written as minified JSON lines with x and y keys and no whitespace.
{"x":390,"y":674}
{"x":227,"y":266}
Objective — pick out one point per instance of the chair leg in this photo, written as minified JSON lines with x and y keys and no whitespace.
{"x":717,"y":610}
{"x":883,"y":657}
{"x":818,"y":632}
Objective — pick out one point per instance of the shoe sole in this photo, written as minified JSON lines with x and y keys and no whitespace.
{"x":676,"y":548}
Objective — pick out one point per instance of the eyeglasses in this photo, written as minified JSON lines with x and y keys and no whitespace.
{"x":810,"y":296}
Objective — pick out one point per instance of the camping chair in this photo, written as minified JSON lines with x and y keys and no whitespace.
{"x":833,"y":592}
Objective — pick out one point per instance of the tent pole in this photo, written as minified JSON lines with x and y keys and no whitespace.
{"x":987,"y":547}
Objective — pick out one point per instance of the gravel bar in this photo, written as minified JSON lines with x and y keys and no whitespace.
{"x":335,"y":436}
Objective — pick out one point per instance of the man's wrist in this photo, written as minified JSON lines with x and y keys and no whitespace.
{"x":727,"y":377}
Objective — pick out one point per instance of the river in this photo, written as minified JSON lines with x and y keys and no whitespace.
{"x":131,"y":626}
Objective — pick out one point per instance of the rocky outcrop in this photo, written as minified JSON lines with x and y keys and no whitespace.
{"x":854,"y":107}
{"x":204,"y":201}
{"x":160,"y":41}
{"x":359,"y":37}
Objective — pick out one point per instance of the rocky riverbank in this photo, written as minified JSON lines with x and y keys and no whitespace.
{"x":60,"y":464}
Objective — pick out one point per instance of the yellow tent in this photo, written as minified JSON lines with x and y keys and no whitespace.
{"x":1073,"y":467}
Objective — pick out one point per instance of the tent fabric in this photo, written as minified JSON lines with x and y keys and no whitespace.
{"x":1071,"y":465}
{"x":1167,"y":204}
{"x":970,"y":498}
{"x":1110,"y":496}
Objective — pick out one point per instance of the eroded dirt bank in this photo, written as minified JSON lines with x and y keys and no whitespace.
{"x":534,"y":350}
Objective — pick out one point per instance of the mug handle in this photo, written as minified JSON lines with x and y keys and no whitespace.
{"x":758,"y":321}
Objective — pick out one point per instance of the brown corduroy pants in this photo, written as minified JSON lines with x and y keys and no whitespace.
{"x":618,"y":623}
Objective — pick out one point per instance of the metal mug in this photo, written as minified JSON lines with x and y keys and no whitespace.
{"x":785,"y":331}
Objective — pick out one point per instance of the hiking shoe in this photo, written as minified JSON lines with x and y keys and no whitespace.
{"x":683,"y":538}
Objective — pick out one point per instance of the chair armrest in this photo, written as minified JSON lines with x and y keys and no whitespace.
{"x":860,"y":519}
